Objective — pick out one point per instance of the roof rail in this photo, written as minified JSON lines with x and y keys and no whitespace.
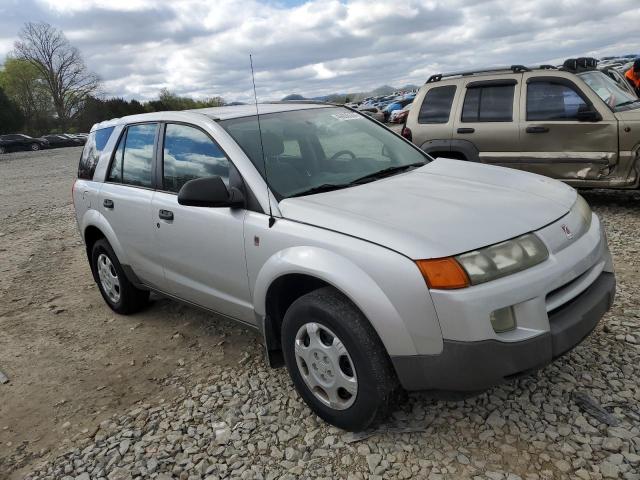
{"x":514,"y":68}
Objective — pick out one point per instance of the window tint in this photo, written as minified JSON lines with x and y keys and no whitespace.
{"x":96,"y":142}
{"x":436,"y":106}
{"x":488,"y":104}
{"x":189,"y":153}
{"x":553,"y":101}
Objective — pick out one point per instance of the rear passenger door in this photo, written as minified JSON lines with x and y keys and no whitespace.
{"x":486,"y":121}
{"x":554,"y":142}
{"x":125,"y":200}
{"x":200,"y":248}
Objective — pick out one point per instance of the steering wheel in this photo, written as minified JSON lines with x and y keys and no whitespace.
{"x":343,"y":152}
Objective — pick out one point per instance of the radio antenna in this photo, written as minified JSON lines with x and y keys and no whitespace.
{"x":272,"y":219}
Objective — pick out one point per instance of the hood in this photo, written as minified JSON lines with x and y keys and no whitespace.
{"x":444,"y":208}
{"x":629,"y":115}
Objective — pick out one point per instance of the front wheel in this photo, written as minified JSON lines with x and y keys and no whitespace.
{"x":35,"y":147}
{"x":120,"y":294}
{"x":3,"y":150}
{"x":337,"y":363}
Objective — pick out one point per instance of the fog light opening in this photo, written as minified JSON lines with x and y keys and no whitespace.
{"x":503,"y":320}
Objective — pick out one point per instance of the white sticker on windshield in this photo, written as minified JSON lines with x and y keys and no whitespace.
{"x":346,"y":116}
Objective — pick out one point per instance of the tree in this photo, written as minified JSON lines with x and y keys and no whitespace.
{"x":23,"y":84}
{"x":171,"y":101}
{"x":60,"y":65}
{"x":97,"y":110}
{"x":11,"y":119}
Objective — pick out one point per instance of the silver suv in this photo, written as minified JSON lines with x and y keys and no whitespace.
{"x":365,"y":265}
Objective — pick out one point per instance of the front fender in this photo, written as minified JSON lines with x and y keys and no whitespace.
{"x":348,"y":278}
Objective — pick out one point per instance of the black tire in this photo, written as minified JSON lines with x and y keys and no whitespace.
{"x":131,"y":299}
{"x":376,"y":379}
{"x":35,"y":147}
{"x":3,"y":150}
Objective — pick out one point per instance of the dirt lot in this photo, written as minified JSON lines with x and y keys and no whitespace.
{"x":95,"y":395}
{"x":71,"y":360}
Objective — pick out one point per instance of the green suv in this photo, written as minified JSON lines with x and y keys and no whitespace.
{"x":572,"y":123}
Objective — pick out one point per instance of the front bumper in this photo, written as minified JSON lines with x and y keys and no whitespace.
{"x":473,"y":366}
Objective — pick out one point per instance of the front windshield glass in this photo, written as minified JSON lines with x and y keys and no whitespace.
{"x":321,"y":149}
{"x":607,"y":89}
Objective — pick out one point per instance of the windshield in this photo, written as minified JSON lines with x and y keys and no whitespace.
{"x":607,"y":89}
{"x":320,"y":149}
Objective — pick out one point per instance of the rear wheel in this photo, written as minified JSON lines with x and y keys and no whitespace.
{"x":120,"y":294}
{"x":35,"y":147}
{"x":336,"y":360}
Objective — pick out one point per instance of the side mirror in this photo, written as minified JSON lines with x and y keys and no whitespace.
{"x":209,"y":192}
{"x":588,"y":115}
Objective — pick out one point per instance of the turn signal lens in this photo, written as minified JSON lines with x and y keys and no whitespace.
{"x":443,"y":273}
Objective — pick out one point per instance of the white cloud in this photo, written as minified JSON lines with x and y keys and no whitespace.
{"x":201,"y":47}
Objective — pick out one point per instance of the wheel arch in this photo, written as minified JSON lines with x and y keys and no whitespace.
{"x":291,"y":273}
{"x":456,"y":149}
{"x":94,"y":226}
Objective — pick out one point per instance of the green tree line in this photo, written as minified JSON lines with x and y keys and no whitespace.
{"x":45,"y":87}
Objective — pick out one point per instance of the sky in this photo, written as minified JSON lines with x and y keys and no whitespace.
{"x":201,"y":48}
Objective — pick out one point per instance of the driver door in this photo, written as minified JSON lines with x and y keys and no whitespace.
{"x":201,"y":249}
{"x":553,"y":140}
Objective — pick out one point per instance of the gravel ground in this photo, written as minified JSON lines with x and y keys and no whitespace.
{"x":219,"y":417}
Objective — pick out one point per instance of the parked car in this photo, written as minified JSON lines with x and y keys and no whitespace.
{"x":577,"y":126}
{"x":399,"y":116}
{"x":396,"y":104}
{"x":19,"y":141}
{"x":59,"y":140}
{"x":364,"y":265}
{"x":373,"y":112}
{"x":617,"y":76}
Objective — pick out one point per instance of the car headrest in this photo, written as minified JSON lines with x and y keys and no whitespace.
{"x":272,"y":143}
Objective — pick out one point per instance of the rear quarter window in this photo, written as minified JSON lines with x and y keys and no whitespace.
{"x":96,"y":141}
{"x":436,"y":106}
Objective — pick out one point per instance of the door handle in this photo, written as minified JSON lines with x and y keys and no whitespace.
{"x":108,"y":203}
{"x":466,"y":130}
{"x":537,"y":130}
{"x":165,"y":214}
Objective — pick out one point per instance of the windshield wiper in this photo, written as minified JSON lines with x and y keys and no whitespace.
{"x":386,"y":172}
{"x":325,"y":187}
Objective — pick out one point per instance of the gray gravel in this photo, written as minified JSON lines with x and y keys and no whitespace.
{"x":247,"y":422}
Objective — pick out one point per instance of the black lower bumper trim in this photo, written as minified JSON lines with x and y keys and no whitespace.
{"x":473,"y":366}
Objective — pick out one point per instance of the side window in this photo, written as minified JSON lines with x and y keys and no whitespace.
{"x":189,"y":153}
{"x":553,"y":101}
{"x":488,"y":104}
{"x":115,"y":172}
{"x":96,"y":141}
{"x":138,"y":155}
{"x":436,"y":105}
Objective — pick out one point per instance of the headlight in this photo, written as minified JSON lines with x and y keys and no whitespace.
{"x":503,"y":258}
{"x":583,"y":208}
